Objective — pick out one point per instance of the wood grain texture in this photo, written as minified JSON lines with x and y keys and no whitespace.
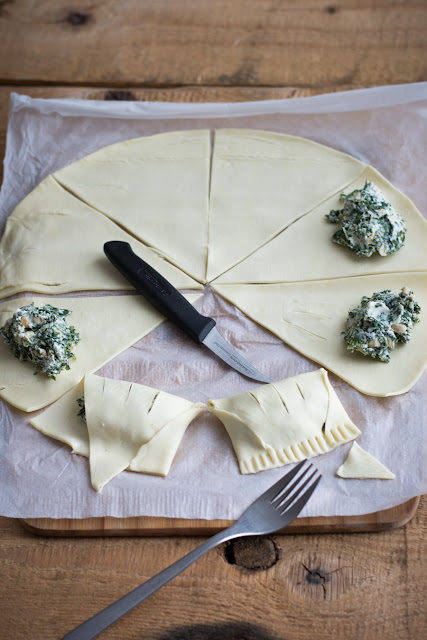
{"x":188,"y":42}
{"x":145,"y":526}
{"x":358,"y":586}
{"x":339,"y":586}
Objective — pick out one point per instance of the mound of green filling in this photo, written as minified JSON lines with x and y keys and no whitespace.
{"x":369,"y":224}
{"x":82,"y":411}
{"x":43,"y":336}
{"x":380,"y":322}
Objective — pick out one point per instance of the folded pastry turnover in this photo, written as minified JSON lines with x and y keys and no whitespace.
{"x":286,"y":421}
{"x":127,"y":426}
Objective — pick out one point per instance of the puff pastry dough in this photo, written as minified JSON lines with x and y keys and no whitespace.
{"x":154,"y":187}
{"x":133,"y":426}
{"x":256,"y":225}
{"x":128,"y":426}
{"x":280,"y":423}
{"x":61,"y":421}
{"x":310,"y":316}
{"x":107,"y":326}
{"x":53,"y":243}
{"x":305,"y":251}
{"x":261,"y":182}
{"x":361,"y":464}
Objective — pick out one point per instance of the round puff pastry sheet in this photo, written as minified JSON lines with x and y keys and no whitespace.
{"x":243,"y":209}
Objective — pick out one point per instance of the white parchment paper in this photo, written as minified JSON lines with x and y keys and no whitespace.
{"x":39,"y":477}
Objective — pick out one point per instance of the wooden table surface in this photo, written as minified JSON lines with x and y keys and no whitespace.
{"x":353,"y":586}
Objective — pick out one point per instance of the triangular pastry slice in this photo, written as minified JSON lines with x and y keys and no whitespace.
{"x":361,"y":464}
{"x":127,"y":426}
{"x":122,"y":417}
{"x":53,"y":243}
{"x":310,"y":317}
{"x":261,"y":182}
{"x":305,"y":251}
{"x":283,"y":422}
{"x":107,"y":326}
{"x":156,"y":188}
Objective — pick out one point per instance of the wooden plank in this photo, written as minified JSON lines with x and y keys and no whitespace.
{"x":188,"y":42}
{"x":370,"y":585}
{"x":148,"y":526}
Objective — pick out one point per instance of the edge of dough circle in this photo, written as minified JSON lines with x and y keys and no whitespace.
{"x":243,"y":210}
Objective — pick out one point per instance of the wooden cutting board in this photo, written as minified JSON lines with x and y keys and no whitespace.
{"x":149,"y":526}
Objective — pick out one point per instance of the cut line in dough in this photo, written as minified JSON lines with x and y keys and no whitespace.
{"x":53,"y":243}
{"x":261,"y":182}
{"x":304,"y":251}
{"x":155,"y":187}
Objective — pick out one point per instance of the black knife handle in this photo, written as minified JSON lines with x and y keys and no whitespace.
{"x":158,"y":291}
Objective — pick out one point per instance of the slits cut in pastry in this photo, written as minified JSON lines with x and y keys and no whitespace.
{"x":127,"y":426}
{"x":283,"y":422}
{"x":261,"y":182}
{"x":305,"y":251}
{"x":311,"y":316}
{"x":53,"y":243}
{"x":156,"y":188}
{"x":107,"y":326}
{"x":361,"y":464}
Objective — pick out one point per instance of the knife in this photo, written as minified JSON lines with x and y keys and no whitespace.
{"x":175,"y":307}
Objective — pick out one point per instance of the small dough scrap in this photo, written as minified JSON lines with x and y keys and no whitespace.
{"x":155,"y":187}
{"x":261,"y":182}
{"x":310,"y":317}
{"x":107,"y":326}
{"x":305,"y":251}
{"x":53,"y":243}
{"x":286,"y":421}
{"x":361,"y":464}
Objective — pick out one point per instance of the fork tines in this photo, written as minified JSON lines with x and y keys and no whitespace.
{"x":285,"y":488}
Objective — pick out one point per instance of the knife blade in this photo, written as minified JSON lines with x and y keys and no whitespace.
{"x":172,"y":304}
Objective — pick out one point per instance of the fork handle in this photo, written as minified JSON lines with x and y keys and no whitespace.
{"x":99,"y":622}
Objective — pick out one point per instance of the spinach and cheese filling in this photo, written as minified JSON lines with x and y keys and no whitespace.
{"x":369,"y":224}
{"x":380,"y":322}
{"x":82,"y":411}
{"x":43,"y":336}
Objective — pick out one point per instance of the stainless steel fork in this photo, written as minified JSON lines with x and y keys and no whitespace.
{"x":272,"y":511}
